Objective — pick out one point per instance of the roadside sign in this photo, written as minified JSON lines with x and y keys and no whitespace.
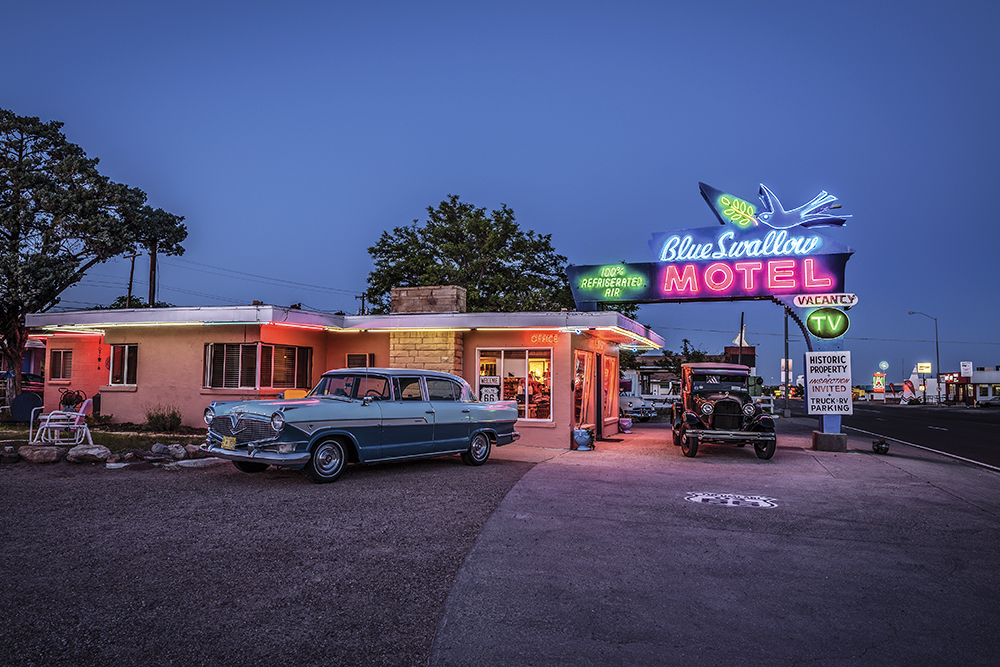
{"x":923,"y":367}
{"x":966,"y":368}
{"x":828,"y":383}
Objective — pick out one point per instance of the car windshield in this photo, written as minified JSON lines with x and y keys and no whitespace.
{"x":353,"y":386}
{"x":718,"y":382}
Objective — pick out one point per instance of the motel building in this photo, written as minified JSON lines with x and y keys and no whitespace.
{"x":560,"y":367}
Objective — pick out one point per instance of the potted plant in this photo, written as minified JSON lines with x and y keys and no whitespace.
{"x":583,"y":438}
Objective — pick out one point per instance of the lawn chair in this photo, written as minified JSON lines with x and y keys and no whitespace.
{"x":22,"y":407}
{"x":62,"y":427}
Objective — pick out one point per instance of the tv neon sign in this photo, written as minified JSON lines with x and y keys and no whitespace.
{"x":759,"y":253}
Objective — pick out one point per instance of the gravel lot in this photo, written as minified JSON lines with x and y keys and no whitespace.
{"x":216,"y":567}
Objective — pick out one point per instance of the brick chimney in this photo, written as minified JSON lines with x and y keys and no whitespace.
{"x":431,"y":350}
{"x":435,"y":299}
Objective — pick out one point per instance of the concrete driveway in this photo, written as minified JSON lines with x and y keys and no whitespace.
{"x":634,"y":555}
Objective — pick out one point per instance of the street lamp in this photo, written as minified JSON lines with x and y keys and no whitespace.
{"x":937,"y":353}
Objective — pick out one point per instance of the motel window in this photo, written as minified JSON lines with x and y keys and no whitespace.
{"x":124,"y":360}
{"x":61,"y":365}
{"x":984,"y":390}
{"x":996,"y":390}
{"x":236,"y":365}
{"x":524,"y":376}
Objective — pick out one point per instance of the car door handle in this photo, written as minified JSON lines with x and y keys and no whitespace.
{"x":466,"y":410}
{"x":430,"y":412}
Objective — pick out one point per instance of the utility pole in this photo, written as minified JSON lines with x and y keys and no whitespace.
{"x":739,"y":355}
{"x":362,"y":297}
{"x":152,"y":274}
{"x":131,"y":274}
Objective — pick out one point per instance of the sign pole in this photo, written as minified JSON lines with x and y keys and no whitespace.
{"x":786,"y":371}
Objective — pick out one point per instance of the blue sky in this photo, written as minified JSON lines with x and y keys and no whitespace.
{"x":291,"y":134}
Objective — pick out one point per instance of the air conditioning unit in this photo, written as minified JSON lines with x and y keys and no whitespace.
{"x":361,"y":360}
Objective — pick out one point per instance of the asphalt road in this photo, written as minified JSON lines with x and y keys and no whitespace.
{"x":216,"y":567}
{"x":971,"y":433}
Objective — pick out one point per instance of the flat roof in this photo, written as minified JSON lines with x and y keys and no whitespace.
{"x":608,"y":325}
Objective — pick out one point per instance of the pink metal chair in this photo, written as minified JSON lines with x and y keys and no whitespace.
{"x":63,"y":427}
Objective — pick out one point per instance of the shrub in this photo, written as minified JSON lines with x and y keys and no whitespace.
{"x":162,"y":418}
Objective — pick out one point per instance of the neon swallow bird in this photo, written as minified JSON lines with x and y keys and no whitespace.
{"x":811,"y":214}
{"x":731,"y":209}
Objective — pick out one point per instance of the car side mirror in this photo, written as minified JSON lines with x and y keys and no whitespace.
{"x":367,"y":400}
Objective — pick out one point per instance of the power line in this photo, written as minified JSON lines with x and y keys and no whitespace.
{"x":864,"y":338}
{"x":219,"y":271}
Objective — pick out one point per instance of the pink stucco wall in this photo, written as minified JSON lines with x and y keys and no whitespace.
{"x":171,"y":368}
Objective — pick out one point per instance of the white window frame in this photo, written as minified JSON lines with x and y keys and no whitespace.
{"x":527,"y":359}
{"x":119,"y":348}
{"x":259,"y":353}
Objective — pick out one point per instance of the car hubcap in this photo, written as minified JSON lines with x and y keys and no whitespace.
{"x":328,"y":459}
{"x":479,"y":447}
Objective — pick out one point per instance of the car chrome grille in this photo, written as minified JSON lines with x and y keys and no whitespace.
{"x":728,"y":416}
{"x":247,"y":429}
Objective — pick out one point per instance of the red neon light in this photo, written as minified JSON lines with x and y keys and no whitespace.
{"x":812,"y":280}
{"x":727,"y":277}
{"x":675,"y":282}
{"x":296,"y":326}
{"x":744,"y":278}
{"x":781,"y":274}
{"x":747,"y":269}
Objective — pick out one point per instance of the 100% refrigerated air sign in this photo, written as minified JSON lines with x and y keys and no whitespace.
{"x":828,"y":383}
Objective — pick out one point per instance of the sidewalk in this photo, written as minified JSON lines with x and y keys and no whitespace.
{"x":601,"y":558}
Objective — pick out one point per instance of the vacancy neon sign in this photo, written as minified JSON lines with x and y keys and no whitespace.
{"x":749,"y":278}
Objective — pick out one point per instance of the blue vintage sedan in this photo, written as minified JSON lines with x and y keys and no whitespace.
{"x":360,"y":416}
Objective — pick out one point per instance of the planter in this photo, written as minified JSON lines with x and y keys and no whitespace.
{"x":625,"y":425}
{"x":583,"y":439}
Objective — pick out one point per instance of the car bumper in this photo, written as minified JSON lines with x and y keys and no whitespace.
{"x":732,"y":436}
{"x":507,"y":438}
{"x":252,"y":455}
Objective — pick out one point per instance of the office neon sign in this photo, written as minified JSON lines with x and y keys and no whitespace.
{"x":757,"y":253}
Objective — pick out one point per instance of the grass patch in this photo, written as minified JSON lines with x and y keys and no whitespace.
{"x":118,"y":443}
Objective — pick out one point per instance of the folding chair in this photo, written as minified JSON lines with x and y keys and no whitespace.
{"x":62,"y":427}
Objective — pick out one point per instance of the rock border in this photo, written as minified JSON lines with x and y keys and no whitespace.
{"x":172,"y":455}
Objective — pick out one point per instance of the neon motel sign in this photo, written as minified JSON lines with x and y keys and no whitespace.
{"x":757,"y":253}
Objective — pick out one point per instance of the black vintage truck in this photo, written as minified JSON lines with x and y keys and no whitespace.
{"x":716,"y":407}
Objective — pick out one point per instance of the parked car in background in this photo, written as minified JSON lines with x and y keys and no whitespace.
{"x":29,"y":381}
{"x":716,"y":406}
{"x":361,"y":416}
{"x":635,"y":407}
{"x":993,"y":402}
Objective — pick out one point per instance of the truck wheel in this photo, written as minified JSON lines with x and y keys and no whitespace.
{"x":677,"y":435}
{"x":689,"y":445}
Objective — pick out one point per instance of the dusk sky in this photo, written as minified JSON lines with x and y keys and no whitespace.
{"x":291,"y":134}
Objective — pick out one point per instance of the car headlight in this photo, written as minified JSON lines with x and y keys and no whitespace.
{"x":209,"y":415}
{"x":707,"y":408}
{"x":277,"y":421}
{"x":749,"y":409}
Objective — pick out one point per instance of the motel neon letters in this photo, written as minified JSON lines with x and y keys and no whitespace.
{"x":747,"y":277}
{"x":742,"y":260}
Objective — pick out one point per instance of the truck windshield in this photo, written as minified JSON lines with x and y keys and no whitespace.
{"x":718,"y":382}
